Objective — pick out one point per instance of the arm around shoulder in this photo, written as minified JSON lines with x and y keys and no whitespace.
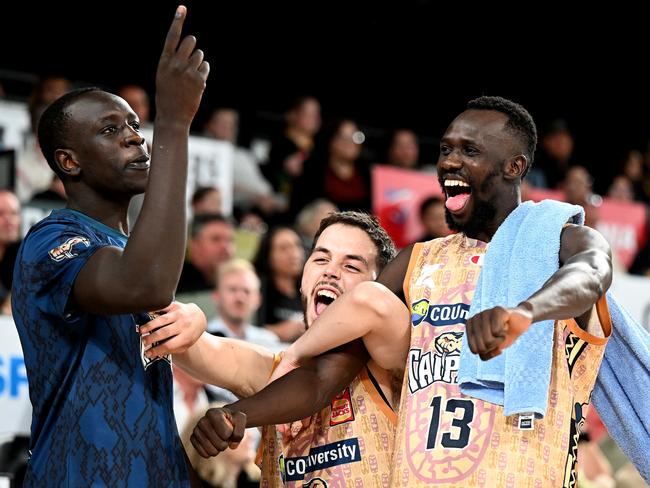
{"x":305,"y":390}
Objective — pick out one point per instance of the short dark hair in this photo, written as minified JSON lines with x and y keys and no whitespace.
{"x":201,"y":192}
{"x":201,"y":220}
{"x":428,"y":202}
{"x":54,"y":125}
{"x":367,"y":223}
{"x":520,"y":122}
{"x":297,"y":102}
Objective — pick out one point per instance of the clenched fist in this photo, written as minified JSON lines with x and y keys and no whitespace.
{"x":218,"y":429}
{"x":492,"y":330}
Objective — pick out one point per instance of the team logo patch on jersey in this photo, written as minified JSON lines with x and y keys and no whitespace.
{"x":441,"y":365}
{"x":65,"y":251}
{"x":316,"y":483}
{"x":342,"y":411}
{"x":419,"y":311}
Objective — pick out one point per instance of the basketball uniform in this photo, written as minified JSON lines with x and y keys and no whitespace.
{"x":447,"y":439}
{"x":347,"y":444}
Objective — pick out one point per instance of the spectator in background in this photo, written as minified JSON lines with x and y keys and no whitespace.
{"x":237,"y":297}
{"x":250,"y":187}
{"x":554,"y":155}
{"x":621,"y":189}
{"x":632,"y":169}
{"x":233,"y":468}
{"x":252,"y":220}
{"x":432,"y":217}
{"x":403,"y":149}
{"x":211,"y":244}
{"x":48,"y":89}
{"x":190,"y":397}
{"x":33,"y":174}
{"x":279,"y":263}
{"x":9,"y":244}
{"x":206,"y":200}
{"x":223,"y":125}
{"x":308,"y":221}
{"x":290,"y":150}
{"x":578,"y":189}
{"x":336,"y":171}
{"x":138,"y":99}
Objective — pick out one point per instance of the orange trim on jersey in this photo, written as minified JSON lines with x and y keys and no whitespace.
{"x":415,"y":252}
{"x":260,"y":449}
{"x":276,"y":360}
{"x":376,"y":397}
{"x":605,"y":322}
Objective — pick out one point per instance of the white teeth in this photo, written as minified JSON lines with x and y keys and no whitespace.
{"x":455,"y":183}
{"x":326,"y":293}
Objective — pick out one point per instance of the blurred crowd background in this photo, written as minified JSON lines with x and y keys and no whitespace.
{"x":310,"y":110}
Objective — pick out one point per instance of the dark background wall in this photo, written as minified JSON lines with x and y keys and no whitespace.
{"x":407,"y":63}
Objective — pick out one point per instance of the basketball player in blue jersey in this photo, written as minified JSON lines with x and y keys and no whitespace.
{"x":102,"y":412}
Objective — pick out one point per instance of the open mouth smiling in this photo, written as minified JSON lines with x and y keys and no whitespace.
{"x":457,"y":194}
{"x":324,"y":297}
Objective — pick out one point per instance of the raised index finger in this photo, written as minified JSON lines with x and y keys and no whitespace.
{"x":174,"y":34}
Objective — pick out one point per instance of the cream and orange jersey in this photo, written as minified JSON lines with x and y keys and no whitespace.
{"x":347,"y":444}
{"x":448,"y":439}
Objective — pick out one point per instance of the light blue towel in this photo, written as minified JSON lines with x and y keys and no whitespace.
{"x":522,"y":256}
{"x":622,"y":392}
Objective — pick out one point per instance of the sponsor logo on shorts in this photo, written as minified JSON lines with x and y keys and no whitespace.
{"x":65,"y":251}
{"x":319,"y":458}
{"x":342,"y":408}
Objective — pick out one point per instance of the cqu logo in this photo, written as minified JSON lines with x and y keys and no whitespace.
{"x":419,"y":311}
{"x":64,"y":251}
{"x":439,"y":315}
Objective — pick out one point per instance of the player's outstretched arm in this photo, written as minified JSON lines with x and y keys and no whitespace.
{"x":144,"y":275}
{"x":235,"y":365}
{"x":298,"y":394}
{"x":585,"y":274}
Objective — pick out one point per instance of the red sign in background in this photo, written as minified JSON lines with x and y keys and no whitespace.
{"x":398,"y":193}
